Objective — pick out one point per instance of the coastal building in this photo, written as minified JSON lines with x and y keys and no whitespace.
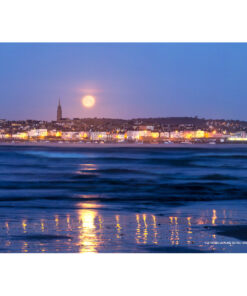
{"x":133,"y":135}
{"x":119,"y":137}
{"x":176,"y":134}
{"x":146,"y":127}
{"x":37,"y":133}
{"x":155,"y":135}
{"x":52,"y":133}
{"x":239,"y":136}
{"x":20,"y":136}
{"x":165,"y":135}
{"x":138,"y":135}
{"x":98,"y":136}
{"x":83,"y":135}
{"x":70,"y":135}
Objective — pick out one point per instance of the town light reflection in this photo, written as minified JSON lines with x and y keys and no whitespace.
{"x":68,"y":222}
{"x":25,"y":247}
{"x":87,"y":169}
{"x":89,"y":166}
{"x":214,"y":217}
{"x":42,"y":225}
{"x":24,"y":225}
{"x":145,"y":231}
{"x":7,"y":226}
{"x":57,"y":221}
{"x":92,"y":229}
{"x":138,"y":229}
{"x":155,"y":241}
{"x":189,"y":231}
{"x":174,"y":231}
{"x":88,"y":233}
{"x":118,"y":226}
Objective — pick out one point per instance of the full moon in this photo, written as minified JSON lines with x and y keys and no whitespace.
{"x":88,"y":101}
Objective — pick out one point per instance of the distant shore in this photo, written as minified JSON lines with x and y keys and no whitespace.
{"x":123,"y":145}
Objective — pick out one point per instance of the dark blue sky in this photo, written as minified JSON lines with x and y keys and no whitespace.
{"x":128,"y":80}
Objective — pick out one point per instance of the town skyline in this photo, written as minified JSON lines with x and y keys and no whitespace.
{"x":140,"y":130}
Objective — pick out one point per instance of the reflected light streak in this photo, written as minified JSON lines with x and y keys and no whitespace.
{"x":8,"y":243}
{"x":7,"y":226}
{"x":118,"y":227}
{"x":43,"y":249}
{"x":200,"y":221}
{"x":88,"y":240}
{"x":145,"y":231}
{"x":224,"y":215}
{"x":42,"y":225}
{"x":24,"y":247}
{"x":189,"y":231}
{"x":174,"y":237}
{"x":100,"y":222}
{"x":155,"y":241}
{"x":68,"y":222}
{"x":138,"y":229}
{"x":172,"y":231}
{"x":213,"y":247}
{"x":176,"y":231}
{"x":214,"y":217}
{"x":24,"y":225}
{"x":189,"y":221}
{"x":57,"y":221}
{"x":89,"y":167}
{"x":89,"y":205}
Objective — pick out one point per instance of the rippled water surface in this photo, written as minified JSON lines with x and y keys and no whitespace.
{"x":172,"y":199}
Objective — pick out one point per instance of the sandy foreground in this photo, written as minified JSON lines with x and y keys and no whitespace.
{"x":208,"y":227}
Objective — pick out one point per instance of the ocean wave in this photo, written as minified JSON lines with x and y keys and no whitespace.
{"x":218,"y":177}
{"x":49,"y":154}
{"x":138,"y":177}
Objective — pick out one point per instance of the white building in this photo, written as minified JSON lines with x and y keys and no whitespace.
{"x":98,"y":136}
{"x":138,"y":135}
{"x":165,"y":135}
{"x":176,"y":134}
{"x":69,"y":135}
{"x":38,"y":133}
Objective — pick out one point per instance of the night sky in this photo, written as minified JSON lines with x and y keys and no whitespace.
{"x":127,"y":80}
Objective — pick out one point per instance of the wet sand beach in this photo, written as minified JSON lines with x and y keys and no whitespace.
{"x":192,"y":229}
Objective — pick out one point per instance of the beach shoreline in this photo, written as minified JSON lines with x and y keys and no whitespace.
{"x":121,"y":145}
{"x":139,"y":198}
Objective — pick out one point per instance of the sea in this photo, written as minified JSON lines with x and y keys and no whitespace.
{"x":162,"y":199}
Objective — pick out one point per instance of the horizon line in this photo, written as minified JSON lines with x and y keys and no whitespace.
{"x":136,"y":118}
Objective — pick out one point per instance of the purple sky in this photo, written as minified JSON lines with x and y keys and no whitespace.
{"x":127,"y":80}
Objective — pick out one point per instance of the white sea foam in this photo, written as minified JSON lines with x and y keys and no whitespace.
{"x":52,"y":154}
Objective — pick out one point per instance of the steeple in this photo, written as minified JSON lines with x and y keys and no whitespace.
{"x":59,"y":111}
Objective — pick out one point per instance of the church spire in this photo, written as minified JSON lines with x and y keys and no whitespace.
{"x":59,"y":111}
